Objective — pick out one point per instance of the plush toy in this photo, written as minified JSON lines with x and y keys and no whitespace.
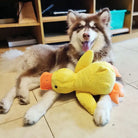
{"x":117,"y":90}
{"x":89,"y":79}
{"x":116,"y":93}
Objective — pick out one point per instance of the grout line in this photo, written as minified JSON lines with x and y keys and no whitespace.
{"x":10,"y":121}
{"x":133,"y":81}
{"x":45,"y":118}
{"x":130,"y":84}
{"x":34,"y":96}
{"x":62,"y":104}
{"x":49,"y":127}
{"x":133,"y":86}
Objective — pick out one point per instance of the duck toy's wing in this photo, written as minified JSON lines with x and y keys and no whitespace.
{"x":85,"y":99}
{"x":85,"y":60}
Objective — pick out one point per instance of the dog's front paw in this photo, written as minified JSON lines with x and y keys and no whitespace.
{"x":32,"y":116}
{"x":4,"y":106}
{"x":101,"y":116}
{"x":23,"y":100}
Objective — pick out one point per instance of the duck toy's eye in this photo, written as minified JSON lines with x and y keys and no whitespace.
{"x":56,"y":86}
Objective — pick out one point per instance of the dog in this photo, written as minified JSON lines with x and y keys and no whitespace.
{"x":86,"y":31}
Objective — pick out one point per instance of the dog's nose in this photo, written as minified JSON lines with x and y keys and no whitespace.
{"x":86,"y":36}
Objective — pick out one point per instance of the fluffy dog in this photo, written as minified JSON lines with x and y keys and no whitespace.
{"x":86,"y":31}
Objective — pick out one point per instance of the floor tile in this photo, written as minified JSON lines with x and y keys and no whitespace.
{"x":131,"y":44}
{"x":17,"y":110}
{"x":71,"y":120}
{"x":15,"y":129}
{"x":135,"y":84}
{"x":7,"y":81}
{"x":63,"y":98}
{"x":126,"y":62}
{"x":124,"y":116}
{"x":117,"y":48}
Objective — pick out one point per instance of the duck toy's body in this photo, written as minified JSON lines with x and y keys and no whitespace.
{"x":89,"y":79}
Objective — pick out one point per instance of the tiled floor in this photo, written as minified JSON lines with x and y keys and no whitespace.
{"x":67,"y":119}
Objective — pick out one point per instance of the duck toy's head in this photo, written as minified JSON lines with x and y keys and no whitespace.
{"x":61,"y":81}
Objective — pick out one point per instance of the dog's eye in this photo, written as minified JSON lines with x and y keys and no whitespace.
{"x":80,"y":26}
{"x":93,"y":27}
{"x":56,"y":86}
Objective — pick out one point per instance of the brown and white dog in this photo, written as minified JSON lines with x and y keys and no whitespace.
{"x":86,"y":31}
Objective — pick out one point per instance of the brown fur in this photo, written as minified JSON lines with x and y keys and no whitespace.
{"x":98,"y":56}
{"x":57,"y":57}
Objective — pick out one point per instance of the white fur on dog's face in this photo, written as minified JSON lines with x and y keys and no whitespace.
{"x":92,"y":36}
{"x":86,"y":29}
{"x":79,"y":40}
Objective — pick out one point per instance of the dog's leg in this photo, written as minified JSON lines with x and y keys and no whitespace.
{"x":26,"y":83}
{"x":102,"y":111}
{"x":38,"y":110}
{"x":7,"y":101}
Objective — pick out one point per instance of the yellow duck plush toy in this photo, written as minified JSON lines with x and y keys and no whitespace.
{"x":89,"y":79}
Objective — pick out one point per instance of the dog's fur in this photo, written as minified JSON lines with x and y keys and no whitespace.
{"x":86,"y":31}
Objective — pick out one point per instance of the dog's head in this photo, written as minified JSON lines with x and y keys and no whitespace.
{"x":88,"y":31}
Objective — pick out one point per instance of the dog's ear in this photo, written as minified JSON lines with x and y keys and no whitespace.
{"x":71,"y":17}
{"x":104,"y":16}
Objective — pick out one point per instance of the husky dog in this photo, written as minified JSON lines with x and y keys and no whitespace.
{"x":86,"y":31}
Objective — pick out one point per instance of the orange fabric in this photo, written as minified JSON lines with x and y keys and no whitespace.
{"x":116,"y":93}
{"x":45,"y":81}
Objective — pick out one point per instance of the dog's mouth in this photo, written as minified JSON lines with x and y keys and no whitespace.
{"x":87,"y":45}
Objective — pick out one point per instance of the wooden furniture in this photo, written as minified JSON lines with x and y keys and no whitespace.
{"x":45,"y":28}
{"x":16,"y":29}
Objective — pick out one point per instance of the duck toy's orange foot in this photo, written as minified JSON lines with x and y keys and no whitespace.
{"x":116,"y":93}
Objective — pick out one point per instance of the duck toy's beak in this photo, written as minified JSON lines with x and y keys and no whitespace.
{"x":45,"y":81}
